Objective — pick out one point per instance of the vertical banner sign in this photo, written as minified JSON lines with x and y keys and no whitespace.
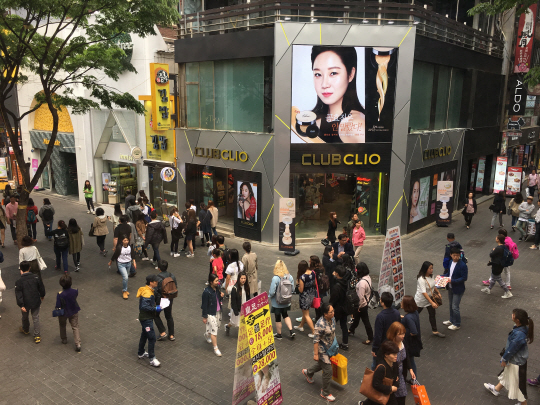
{"x":159,"y":82}
{"x":481,"y":173}
{"x":260,"y":348}
{"x":444,"y":205}
{"x":3,"y":168}
{"x":287,"y":213}
{"x":35,"y":165}
{"x":513,"y":181}
{"x":518,"y":95}
{"x":500,"y":174}
{"x":391,"y":276}
{"x":524,"y":45}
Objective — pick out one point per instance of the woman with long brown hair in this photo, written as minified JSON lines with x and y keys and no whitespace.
{"x":307,"y":288}
{"x":191,"y":231}
{"x":332,"y":226}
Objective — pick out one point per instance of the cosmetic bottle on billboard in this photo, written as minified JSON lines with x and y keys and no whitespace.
{"x":306,"y":124}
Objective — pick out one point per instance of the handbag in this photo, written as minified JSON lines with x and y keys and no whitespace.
{"x":41,"y":262}
{"x":2,"y":285}
{"x":367,"y":390}
{"x":316,"y":303}
{"x":325,"y":242}
{"x":420,"y":394}
{"x":59,"y":311}
{"x":201,"y":234}
{"x":435,"y":295}
{"x":491,"y":207}
{"x":91,"y":233}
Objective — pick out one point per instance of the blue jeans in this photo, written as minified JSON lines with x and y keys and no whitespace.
{"x":155,"y":249}
{"x":214,"y":230}
{"x":124,"y":269}
{"x":453,"y":303}
{"x":149,"y":335}
{"x":64,"y":253}
{"x":514,"y":220}
{"x":522,"y":228}
{"x":47,"y":225}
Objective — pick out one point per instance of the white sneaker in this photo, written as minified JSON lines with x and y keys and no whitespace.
{"x":88,"y":212}
{"x":177,"y":255}
{"x":454,"y":327}
{"x":217,"y":352}
{"x":154,"y":362}
{"x":486,"y":290}
{"x":491,"y":388}
{"x":172,"y":253}
{"x":447,"y":323}
{"x":299,"y":319}
{"x":190,"y":256}
{"x":142,"y":356}
{"x":208,"y":340}
{"x":145,"y":259}
{"x":310,"y":335}
{"x":299,"y":328}
{"x":507,"y":294}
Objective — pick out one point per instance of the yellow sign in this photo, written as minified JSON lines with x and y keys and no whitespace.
{"x":47,"y":141}
{"x":159,"y":145}
{"x":335,"y":159}
{"x":161,"y":110}
{"x":232,"y":155}
{"x":438,"y":152}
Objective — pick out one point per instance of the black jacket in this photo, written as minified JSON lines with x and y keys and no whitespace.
{"x":497,"y":256}
{"x":236,"y":299}
{"x":338,"y":297}
{"x":57,"y":234}
{"x":155,"y":233}
{"x":329,"y":267}
{"x":499,"y":204}
{"x":191,"y":227}
{"x":467,"y":202}
{"x":349,"y":249}
{"x":29,"y":290}
{"x":380,"y":373}
{"x":209,"y":301}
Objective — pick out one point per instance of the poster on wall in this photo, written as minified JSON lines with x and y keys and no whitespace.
{"x":513,"y":181}
{"x":247,"y":203}
{"x":3,"y":168}
{"x":500,"y":174}
{"x":419,"y":199}
{"x":287,"y":214}
{"x":343,"y":94}
{"x":35,"y":165}
{"x":444,"y":204}
{"x":524,"y":45}
{"x":391,"y":275}
{"x":479,"y":186}
{"x":208,"y":184}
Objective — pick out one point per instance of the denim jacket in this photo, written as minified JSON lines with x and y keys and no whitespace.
{"x":516,"y":350}
{"x":209,"y":301}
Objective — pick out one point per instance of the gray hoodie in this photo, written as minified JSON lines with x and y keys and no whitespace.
{"x":45,"y":207}
{"x":525,"y":210}
{"x":130,"y":211}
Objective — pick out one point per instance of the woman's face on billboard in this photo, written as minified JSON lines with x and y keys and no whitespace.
{"x":330,"y":78}
{"x":245,"y":192}
{"x":415,"y":193}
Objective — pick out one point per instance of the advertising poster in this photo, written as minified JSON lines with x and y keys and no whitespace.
{"x":524,"y":45}
{"x":3,"y":168}
{"x":244,"y":383}
{"x":105,"y":180}
{"x":208,"y":184}
{"x":343,"y":94}
{"x":167,"y":174}
{"x":419,"y":199}
{"x":287,"y":213}
{"x":479,"y":186}
{"x":500,"y":174}
{"x":513,"y":181}
{"x":444,"y":204}
{"x":474,"y":167}
{"x":391,"y":276}
{"x":247,"y":203}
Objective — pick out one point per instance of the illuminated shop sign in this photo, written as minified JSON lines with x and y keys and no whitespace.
{"x":335,"y":159}
{"x":223,"y":154}
{"x":437,"y":152}
{"x":159,"y":79}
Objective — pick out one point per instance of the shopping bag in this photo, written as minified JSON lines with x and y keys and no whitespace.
{"x":339,"y":369}
{"x":420,"y":394}
{"x":531,"y":228}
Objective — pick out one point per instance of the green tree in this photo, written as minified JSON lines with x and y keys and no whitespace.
{"x":62,"y":44}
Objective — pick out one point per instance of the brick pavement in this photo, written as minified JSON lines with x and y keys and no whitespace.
{"x":107,"y":370}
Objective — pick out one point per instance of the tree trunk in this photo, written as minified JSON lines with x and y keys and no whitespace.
{"x":22,"y":230}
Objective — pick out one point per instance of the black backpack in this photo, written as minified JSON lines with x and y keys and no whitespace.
{"x":352,"y":302}
{"x":61,"y":240}
{"x":48,"y":214}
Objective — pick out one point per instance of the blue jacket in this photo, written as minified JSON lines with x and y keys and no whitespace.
{"x":209,"y":301}
{"x":382,"y":322}
{"x":349,"y":249}
{"x":273,"y":290}
{"x":516,"y":349}
{"x":447,"y":258}
{"x":459,"y":276}
{"x":71,"y":307}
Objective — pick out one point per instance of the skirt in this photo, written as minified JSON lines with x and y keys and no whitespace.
{"x":514,"y":379}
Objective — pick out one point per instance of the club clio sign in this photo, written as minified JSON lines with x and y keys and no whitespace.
{"x":437,"y":152}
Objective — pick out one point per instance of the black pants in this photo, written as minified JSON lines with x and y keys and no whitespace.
{"x":89,"y":203}
{"x":174,"y":244}
{"x":531,"y":190}
{"x":32,"y":231}
{"x":537,"y":234}
{"x":144,"y":252}
{"x":77,"y":258}
{"x":468,"y":218}
{"x":13,"y":230}
{"x":344,"y":330}
{"x":522,"y":374}
{"x":432,"y":319}
{"x":101,"y":242}
{"x":207,"y":236}
{"x":364,"y":316}
{"x":401,"y":400}
{"x":168,"y":317}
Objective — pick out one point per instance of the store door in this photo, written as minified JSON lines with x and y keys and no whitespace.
{"x":163,"y":194}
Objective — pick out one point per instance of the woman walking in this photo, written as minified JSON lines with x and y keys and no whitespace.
{"x":32,"y":219}
{"x":308,"y":290}
{"x":211,"y":311}
{"x":124,"y":255}
{"x":498,"y":208}
{"x":280,"y":310}
{"x":116,"y":215}
{"x":413,"y":337}
{"x":30,"y":254}
{"x":251,"y":268}
{"x":214,"y":211}
{"x":46,"y":213}
{"x":191,"y":231}
{"x":363,"y":289}
{"x":140,"y":227}
{"x":100,"y":229}
{"x":61,"y":244}
{"x":387,"y":368}
{"x":513,"y":209}
{"x":358,"y":237}
{"x":469,"y":210}
{"x":425,"y":284}
{"x":205,"y":219}
{"x":332,"y":226}
{"x":176,"y":231}
{"x":240,"y":293}
{"x":514,"y":359}
{"x":88,"y":191}
{"x":76,"y":242}
{"x":234,"y":267}
{"x":67,"y":300}
{"x":496,"y":261}
{"x":533,"y":182}
{"x":3,"y":224}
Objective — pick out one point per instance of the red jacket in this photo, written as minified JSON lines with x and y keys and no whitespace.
{"x":33,"y":208}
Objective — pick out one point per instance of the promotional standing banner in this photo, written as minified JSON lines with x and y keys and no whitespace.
{"x":481,"y":172}
{"x":287,"y":213}
{"x":256,"y":348}
{"x":391,"y":276}
{"x":35,"y":165}
{"x":524,"y":45}
{"x":513,"y":181}
{"x":500,"y":174}
{"x":3,"y":168}
{"x":445,"y":202}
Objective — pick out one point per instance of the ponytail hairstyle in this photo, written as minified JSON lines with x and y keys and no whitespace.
{"x":524,"y":320}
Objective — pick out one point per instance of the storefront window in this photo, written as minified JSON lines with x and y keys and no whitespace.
{"x":421,"y":92}
{"x":123,"y":178}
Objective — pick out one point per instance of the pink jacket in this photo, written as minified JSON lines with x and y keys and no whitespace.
{"x":358,"y":236}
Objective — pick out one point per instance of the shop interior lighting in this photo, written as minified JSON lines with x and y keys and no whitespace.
{"x":287,"y":18}
{"x":340,"y":20}
{"x":365,"y":21}
{"x":390,"y":22}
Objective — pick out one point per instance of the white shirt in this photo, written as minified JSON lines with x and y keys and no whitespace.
{"x":193,"y":208}
{"x":125,"y":255}
{"x":421,"y":288}
{"x":174,"y":221}
{"x":28,"y":253}
{"x":452,"y":267}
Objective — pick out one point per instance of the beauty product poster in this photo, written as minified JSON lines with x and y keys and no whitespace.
{"x":500,"y":174}
{"x":247,"y":202}
{"x":287,"y":213}
{"x":481,"y":172}
{"x":343,"y":94}
{"x":444,"y":204}
{"x":419,"y":199}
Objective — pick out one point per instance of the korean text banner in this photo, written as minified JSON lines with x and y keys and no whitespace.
{"x":391,"y":276}
{"x":524,"y":45}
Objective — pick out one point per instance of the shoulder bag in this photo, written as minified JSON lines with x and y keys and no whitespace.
{"x":91,"y":233}
{"x":371,"y":393}
{"x":41,"y":262}
{"x":316,"y":303}
{"x":434,"y":295}
{"x":59,"y":311}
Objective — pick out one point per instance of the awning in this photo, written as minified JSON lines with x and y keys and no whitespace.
{"x":126,"y":127}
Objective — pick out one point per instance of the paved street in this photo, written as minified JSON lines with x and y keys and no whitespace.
{"x":108,"y":371}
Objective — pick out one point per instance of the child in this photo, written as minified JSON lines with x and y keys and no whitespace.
{"x":71,"y":311}
{"x":217,"y":265}
{"x":29,"y":291}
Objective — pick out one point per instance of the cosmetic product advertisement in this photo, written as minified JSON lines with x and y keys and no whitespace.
{"x":343,"y":94}
{"x":287,"y":214}
{"x":391,"y":277}
{"x":444,"y":204}
{"x":419,"y":199}
{"x":500,"y":174}
{"x":480,"y":176}
{"x":247,"y":203}
{"x":513,"y":181}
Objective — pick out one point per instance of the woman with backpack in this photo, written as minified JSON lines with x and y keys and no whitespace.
{"x":76,"y":242}
{"x":308,"y":290}
{"x":61,"y":244}
{"x":280,"y":293}
{"x":363,"y":289}
{"x":513,"y":209}
{"x":124,"y":255}
{"x":176,"y":230}
{"x":205,"y":219}
{"x":31,"y":219}
{"x":514,"y":359}
{"x":425,"y":285}
{"x":240,"y":293}
{"x":30,"y":254}
{"x":88,"y":191}
{"x":46,"y":213}
{"x":100,"y":229}
{"x":167,"y":288}
{"x":498,"y":208}
{"x":497,"y":262}
{"x":116,"y":215}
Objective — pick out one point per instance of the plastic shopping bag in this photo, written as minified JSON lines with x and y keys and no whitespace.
{"x":420,"y":394}
{"x":339,"y":369}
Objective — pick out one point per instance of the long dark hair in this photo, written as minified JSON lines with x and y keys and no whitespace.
{"x":315,"y":263}
{"x":303,"y":266}
{"x":348,"y":56}
{"x":424,"y":269}
{"x":327,"y":250}
{"x":348,"y":262}
{"x":117,"y":210}
{"x":524,"y":320}
{"x":332,"y":218}
{"x":518,"y":198}
{"x":73,"y":227}
{"x":30,"y":202}
{"x":248,"y":185}
{"x":246,"y":285}
{"x":235,"y":257}
{"x":89,"y":185}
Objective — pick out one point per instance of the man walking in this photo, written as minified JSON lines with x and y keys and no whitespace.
{"x":29,"y":292}
{"x":147,"y":313}
{"x":155,"y":234}
{"x":11,"y":214}
{"x":525,"y":210}
{"x":458,"y":273}
{"x":167,"y":288}
{"x":383,"y":321}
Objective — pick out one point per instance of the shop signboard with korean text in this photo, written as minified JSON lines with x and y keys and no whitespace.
{"x":513,"y":181}
{"x":159,"y":144}
{"x":391,"y":277}
{"x":445,"y":202}
{"x":287,"y":214}
{"x":481,"y":173}
{"x":524,"y":44}
{"x":159,"y":83}
{"x":500,"y":174}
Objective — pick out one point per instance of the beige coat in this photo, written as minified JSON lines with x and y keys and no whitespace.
{"x":100,"y":226}
{"x":249,"y":260}
{"x":215,"y":213}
